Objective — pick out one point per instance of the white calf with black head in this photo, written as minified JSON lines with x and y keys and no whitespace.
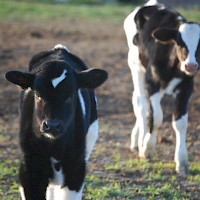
{"x":164,"y":56}
{"x":58,"y":124}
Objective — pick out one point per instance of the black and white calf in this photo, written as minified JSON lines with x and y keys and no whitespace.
{"x":58,"y":124}
{"x":164,"y":56}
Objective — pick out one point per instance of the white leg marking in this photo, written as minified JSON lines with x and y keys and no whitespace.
{"x":50,"y":192}
{"x":55,"y":192}
{"x":181,"y":155}
{"x":21,"y":190}
{"x":91,"y":138}
{"x":56,"y":81}
{"x":157,"y":110}
{"x":150,"y":138}
{"x":171,"y":86}
{"x":135,"y":136}
{"x":149,"y":146}
{"x":82,"y":102}
{"x":140,"y":110}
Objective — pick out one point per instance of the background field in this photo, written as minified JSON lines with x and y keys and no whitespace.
{"x":95,"y":33}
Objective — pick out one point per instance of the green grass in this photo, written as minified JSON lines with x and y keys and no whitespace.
{"x":137,"y":179}
{"x":147,"y":180}
{"x":43,"y":10}
{"x":12,"y":10}
{"x":8,"y":179}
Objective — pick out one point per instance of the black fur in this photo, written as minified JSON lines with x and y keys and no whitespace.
{"x":43,"y":102}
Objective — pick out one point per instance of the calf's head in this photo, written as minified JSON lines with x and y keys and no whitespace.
{"x":187,"y":42}
{"x":55,"y":85}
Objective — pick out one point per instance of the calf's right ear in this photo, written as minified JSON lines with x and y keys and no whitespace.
{"x":165,"y":35}
{"x":23,"y":79}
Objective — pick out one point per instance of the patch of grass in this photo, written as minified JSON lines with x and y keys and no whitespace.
{"x":39,"y":10}
{"x":12,"y":10}
{"x":192,"y":14}
{"x":8,"y":179}
{"x":137,"y":179}
{"x":105,"y":188}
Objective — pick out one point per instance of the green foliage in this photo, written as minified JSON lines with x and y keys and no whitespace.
{"x":12,"y":10}
{"x":46,"y":9}
{"x":151,"y":181}
{"x":8,"y":180}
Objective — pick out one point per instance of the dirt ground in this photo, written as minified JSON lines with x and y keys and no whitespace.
{"x":101,"y":45}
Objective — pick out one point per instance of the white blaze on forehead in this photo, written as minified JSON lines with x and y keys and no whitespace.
{"x":190,"y":34}
{"x":59,"y":79}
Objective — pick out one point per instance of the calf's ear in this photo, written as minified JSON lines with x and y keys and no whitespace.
{"x":165,"y":35}
{"x":22,"y":79}
{"x":91,"y":78}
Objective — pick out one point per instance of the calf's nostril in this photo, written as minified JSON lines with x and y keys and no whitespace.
{"x":52,"y":126}
{"x":45,"y":126}
{"x":58,"y":126}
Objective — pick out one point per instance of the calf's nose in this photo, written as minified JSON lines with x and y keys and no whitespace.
{"x":52,"y":126}
{"x":191,"y":67}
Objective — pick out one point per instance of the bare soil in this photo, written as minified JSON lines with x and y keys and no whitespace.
{"x":101,"y":45}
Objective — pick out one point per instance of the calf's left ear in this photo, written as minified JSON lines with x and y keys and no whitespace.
{"x":91,"y":78}
{"x":22,"y":79}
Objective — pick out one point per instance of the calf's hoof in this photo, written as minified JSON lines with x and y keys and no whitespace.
{"x":134,"y":148}
{"x":147,"y":154}
{"x":182,"y":170}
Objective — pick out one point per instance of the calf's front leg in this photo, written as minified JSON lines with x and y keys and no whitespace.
{"x":181,"y":154}
{"x":33,"y":183}
{"x":155,"y":121}
{"x":180,"y":124}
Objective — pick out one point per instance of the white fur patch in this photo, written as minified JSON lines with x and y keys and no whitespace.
{"x":56,"y":81}
{"x":60,"y":46}
{"x":181,"y":155}
{"x":130,"y":27}
{"x":149,"y":144}
{"x":21,"y":190}
{"x":82,"y":102}
{"x":151,"y":3}
{"x":58,"y":178}
{"x":135,"y":135}
{"x":190,"y":34}
{"x":54,"y":192}
{"x":180,"y":18}
{"x":157,"y":110}
{"x":91,"y":138}
{"x":172,"y":85}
